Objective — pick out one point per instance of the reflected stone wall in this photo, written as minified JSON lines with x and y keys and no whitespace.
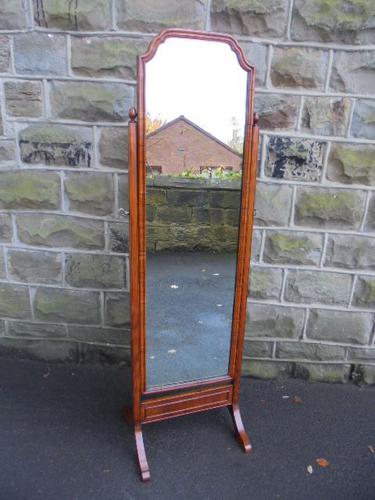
{"x":194,"y":215}
{"x":67,"y":72}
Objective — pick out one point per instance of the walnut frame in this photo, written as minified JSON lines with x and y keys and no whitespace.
{"x":180,"y":399}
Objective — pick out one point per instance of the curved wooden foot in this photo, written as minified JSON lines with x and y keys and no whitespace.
{"x":241,"y":434}
{"x":142,"y":460}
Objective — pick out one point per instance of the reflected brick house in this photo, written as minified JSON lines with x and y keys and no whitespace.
{"x":180,"y":145}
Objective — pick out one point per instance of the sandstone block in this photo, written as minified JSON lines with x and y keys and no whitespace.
{"x":45,"y":350}
{"x":339,"y":326}
{"x":364,"y":293}
{"x":2,"y":264}
{"x":119,"y":237}
{"x":117,"y":309}
{"x":363,"y":123}
{"x":305,"y":350}
{"x":267,"y":320}
{"x":90,"y":15}
{"x":265,"y":283}
{"x":149,"y":16}
{"x":23,"y":98}
{"x":370,"y":219}
{"x":299,"y":67}
{"x":91,"y":101}
{"x":174,"y":215}
{"x":95,"y":271}
{"x":362,"y":354}
{"x":4,"y":54}
{"x":289,"y":247}
{"x":56,"y":145}
{"x":178,"y":197}
{"x":40,"y":53}
{"x":272,"y":203}
{"x":267,"y":18}
{"x":28,"y":189}
{"x":322,"y":372}
{"x":12,"y":14}
{"x":350,"y":252}
{"x":255,"y":245}
{"x":113,"y":147}
{"x":41,"y":330}
{"x":367,"y":374}
{"x":224,"y":199}
{"x":34,"y":266}
{"x":266,"y":369}
{"x":110,"y":56}
{"x":7,"y":152}
{"x":294,"y":159}
{"x":256,"y":54}
{"x":14,"y":301}
{"x":326,"y":116}
{"x":115,"y":336}
{"x":317,"y":287}
{"x":276,"y":111}
{"x":68,"y":306}
{"x":91,"y":193}
{"x":5,"y":228}
{"x":352,"y":164}
{"x":258,"y":349}
{"x":346,"y":21}
{"x":329,"y":208}
{"x":104,"y":354}
{"x":60,"y":231}
{"x":123,"y":191}
{"x":353,"y":72}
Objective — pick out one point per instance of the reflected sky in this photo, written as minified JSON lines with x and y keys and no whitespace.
{"x":201,"y":80}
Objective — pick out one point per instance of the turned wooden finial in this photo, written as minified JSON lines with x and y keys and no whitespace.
{"x":133,"y":114}
{"x":256,"y":119}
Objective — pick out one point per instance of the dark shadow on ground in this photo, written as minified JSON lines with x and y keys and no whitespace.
{"x":62,"y":437}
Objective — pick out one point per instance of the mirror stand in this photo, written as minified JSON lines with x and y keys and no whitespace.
{"x":156,"y":397}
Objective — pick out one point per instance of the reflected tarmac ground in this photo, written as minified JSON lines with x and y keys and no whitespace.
{"x":189,"y":315}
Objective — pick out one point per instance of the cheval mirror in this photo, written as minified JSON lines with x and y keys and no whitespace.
{"x":193,"y":145}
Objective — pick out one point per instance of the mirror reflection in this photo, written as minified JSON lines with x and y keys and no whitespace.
{"x":195,"y":115}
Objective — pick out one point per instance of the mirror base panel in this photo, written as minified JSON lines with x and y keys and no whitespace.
{"x":162,"y":408}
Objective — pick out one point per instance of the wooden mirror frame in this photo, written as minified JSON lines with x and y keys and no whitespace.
{"x":171,"y":401}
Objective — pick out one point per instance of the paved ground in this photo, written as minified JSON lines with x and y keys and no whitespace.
{"x":189,"y":315}
{"x":62,"y":438}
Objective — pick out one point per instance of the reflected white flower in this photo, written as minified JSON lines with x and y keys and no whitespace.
{"x":173,"y":286}
{"x":215,"y":274}
{"x":172,"y":351}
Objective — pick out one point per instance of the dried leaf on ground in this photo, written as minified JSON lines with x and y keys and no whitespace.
{"x":322,"y":462}
{"x":297,"y":399}
{"x":371,"y":449}
{"x":310,"y":469}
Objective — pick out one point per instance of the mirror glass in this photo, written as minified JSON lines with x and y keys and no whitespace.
{"x":195,"y":119}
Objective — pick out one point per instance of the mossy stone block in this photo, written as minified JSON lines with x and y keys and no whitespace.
{"x":95,"y":271}
{"x":14,"y":301}
{"x":60,"y":231}
{"x":329,"y":208}
{"x":289,"y":247}
{"x":352,"y":164}
{"x":29,"y":190}
{"x":89,"y":192}
{"x":68,"y":306}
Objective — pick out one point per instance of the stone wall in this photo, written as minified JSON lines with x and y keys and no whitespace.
{"x":67,"y":79}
